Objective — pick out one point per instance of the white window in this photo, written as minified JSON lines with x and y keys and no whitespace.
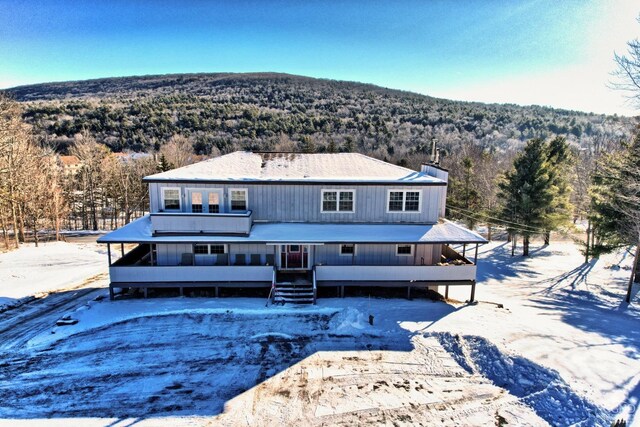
{"x":403,"y":201}
{"x":171,"y":199}
{"x":404,"y":250}
{"x":348,"y":250}
{"x":238,"y":199}
{"x":196,"y":202}
{"x":214,"y":202}
{"x":207,"y":249}
{"x":338,"y":201}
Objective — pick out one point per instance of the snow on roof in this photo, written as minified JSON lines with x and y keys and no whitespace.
{"x":139,"y":231}
{"x":248,"y":166}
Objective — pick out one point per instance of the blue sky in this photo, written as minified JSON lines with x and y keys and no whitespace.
{"x":527,"y":52}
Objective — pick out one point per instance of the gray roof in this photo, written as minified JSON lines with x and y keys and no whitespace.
{"x":298,"y":167}
{"x":139,"y":231}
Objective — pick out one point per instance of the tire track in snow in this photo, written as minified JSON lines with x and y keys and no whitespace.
{"x":19,"y":325}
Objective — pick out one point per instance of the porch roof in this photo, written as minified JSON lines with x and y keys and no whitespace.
{"x":139,"y":231}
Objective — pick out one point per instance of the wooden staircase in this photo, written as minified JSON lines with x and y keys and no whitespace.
{"x":296,"y":289}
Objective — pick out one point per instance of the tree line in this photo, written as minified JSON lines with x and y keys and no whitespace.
{"x":229,"y":112}
{"x":42,"y":193}
{"x":528,"y":189}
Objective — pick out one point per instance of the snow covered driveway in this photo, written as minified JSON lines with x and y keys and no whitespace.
{"x":243,"y":363}
{"x":52,"y":266}
{"x":550,"y":343}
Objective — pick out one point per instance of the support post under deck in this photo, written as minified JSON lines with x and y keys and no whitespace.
{"x":473,"y":292}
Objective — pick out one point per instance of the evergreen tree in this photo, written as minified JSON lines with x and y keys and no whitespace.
{"x":615,"y":205}
{"x":307,"y":145}
{"x":526,"y":192}
{"x":560,"y":210}
{"x":349,"y":146}
{"x":163,"y":164}
{"x":331,"y":147}
{"x":465,"y":194}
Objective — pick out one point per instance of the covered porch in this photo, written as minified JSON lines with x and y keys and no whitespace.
{"x":330,"y":255}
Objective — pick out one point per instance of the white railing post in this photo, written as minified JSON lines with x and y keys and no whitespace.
{"x":273,"y":286}
{"x":315,"y":288}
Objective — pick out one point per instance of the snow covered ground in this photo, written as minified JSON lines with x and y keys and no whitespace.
{"x":34,"y":270}
{"x":550,"y":342}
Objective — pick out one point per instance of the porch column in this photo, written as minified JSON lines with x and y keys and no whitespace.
{"x":475,"y":256}
{"x":109,"y":252}
{"x":473,"y":292}
{"x":122,"y":249}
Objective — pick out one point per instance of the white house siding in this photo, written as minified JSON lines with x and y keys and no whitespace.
{"x":371,"y":254}
{"x":172,"y":254}
{"x":286,"y":202}
{"x":193,"y":222}
{"x":386,"y":273}
{"x":260,"y":249}
{"x":367,"y":254}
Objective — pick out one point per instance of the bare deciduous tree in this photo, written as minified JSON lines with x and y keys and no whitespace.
{"x":178,"y":151}
{"x":628,"y":72}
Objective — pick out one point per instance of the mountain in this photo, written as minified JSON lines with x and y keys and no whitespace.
{"x":265,"y":111}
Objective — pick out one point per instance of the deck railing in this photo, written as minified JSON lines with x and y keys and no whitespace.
{"x":201,"y":223}
{"x":191,"y":273}
{"x":391,"y":273}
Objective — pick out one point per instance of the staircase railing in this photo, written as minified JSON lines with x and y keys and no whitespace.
{"x":315,"y":288}
{"x":273,"y":287}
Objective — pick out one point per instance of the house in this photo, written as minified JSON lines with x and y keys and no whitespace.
{"x":70,"y":165}
{"x":294,"y":223}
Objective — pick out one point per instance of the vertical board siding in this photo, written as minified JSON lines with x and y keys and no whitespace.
{"x":372,"y":254}
{"x":302,"y":203}
{"x":249,"y":249}
{"x":171,"y":254}
{"x":366,"y":254}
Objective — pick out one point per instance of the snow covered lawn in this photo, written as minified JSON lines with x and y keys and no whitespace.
{"x":550,"y":342}
{"x":30,"y":271}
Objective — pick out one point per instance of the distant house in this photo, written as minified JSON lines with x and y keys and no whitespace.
{"x":296,"y":223}
{"x":70,"y":165}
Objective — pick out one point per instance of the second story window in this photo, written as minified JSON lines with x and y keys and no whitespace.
{"x":214,"y":202}
{"x":403,"y":201}
{"x":238,"y":199}
{"x":338,"y":201}
{"x":171,"y":199}
{"x":196,"y":202}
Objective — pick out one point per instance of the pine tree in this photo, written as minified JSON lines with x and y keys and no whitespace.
{"x":331,"y":147}
{"x":615,"y":205}
{"x":526,"y":192}
{"x":349,"y":146}
{"x":307,"y":145}
{"x":465,"y":194}
{"x":560,"y":210}
{"x":163,"y":164}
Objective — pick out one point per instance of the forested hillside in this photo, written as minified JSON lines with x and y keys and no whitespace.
{"x":267,"y":111}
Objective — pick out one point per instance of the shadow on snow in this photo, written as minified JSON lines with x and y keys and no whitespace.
{"x":193,"y":363}
{"x":540,"y":388}
{"x":182,"y":364}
